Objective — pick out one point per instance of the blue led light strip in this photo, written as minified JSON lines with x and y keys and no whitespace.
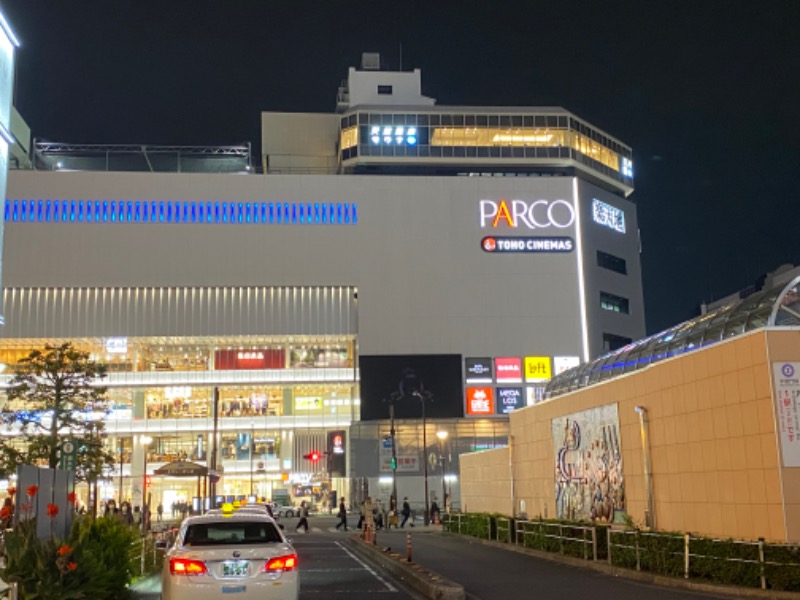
{"x":164,"y":211}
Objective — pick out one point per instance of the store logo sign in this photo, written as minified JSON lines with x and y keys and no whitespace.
{"x":608,"y":216}
{"x":479,"y":370}
{"x":509,"y":400}
{"x":537,"y":368}
{"x":524,"y":214}
{"x":509,"y":370}
{"x":117,"y":345}
{"x":250,"y":356}
{"x":565,"y":363}
{"x":480,"y":401}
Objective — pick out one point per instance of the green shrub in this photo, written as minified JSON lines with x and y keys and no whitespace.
{"x":91,"y":563}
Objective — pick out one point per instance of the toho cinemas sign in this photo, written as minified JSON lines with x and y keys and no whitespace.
{"x":526,"y":216}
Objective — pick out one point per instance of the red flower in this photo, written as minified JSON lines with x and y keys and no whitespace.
{"x":11,"y":491}
{"x":64,"y":550}
{"x":72,"y":498}
{"x":52,"y":510}
{"x":72,"y":566}
{"x":31,"y":490}
{"x":26,"y":506}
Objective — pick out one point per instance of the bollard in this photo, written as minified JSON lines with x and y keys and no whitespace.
{"x":13,"y":591}
{"x":408,"y":547}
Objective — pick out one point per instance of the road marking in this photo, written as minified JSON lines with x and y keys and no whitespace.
{"x":388,"y":585}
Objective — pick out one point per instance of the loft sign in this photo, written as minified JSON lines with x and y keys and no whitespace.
{"x":526,"y":214}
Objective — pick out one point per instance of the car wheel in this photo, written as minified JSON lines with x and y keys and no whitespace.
{"x":289,"y":513}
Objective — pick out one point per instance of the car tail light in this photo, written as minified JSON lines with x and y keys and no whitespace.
{"x":187,"y":566}
{"x":282,"y":563}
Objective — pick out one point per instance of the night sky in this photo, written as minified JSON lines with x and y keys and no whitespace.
{"x":706,"y":92}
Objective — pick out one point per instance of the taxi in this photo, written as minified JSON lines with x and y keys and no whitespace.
{"x":239,"y":555}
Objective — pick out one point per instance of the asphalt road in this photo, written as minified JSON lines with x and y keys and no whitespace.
{"x":491,"y":573}
{"x":328,"y":569}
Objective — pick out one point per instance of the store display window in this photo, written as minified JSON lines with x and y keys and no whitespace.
{"x":251,"y":402}
{"x":178,"y":402}
{"x":310,"y":356}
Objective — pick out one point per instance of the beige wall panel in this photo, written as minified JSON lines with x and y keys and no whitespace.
{"x":714,"y":452}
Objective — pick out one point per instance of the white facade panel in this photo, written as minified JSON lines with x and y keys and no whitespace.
{"x":424,"y":283}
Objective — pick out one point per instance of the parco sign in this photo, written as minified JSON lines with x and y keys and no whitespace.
{"x":536,"y":214}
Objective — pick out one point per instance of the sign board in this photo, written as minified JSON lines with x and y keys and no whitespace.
{"x":787,"y":410}
{"x":69,"y":454}
{"x":478,"y":370}
{"x":508,"y":400}
{"x":182,"y":468}
{"x":537,"y":368}
{"x":480,"y":401}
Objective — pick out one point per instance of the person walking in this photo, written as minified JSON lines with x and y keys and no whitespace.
{"x":160,"y":511}
{"x":303,"y":514}
{"x":406,"y":512}
{"x":342,"y":514}
{"x":379,"y":515}
{"x":367,"y":514}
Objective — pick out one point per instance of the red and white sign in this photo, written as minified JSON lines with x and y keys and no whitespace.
{"x":508,"y":370}
{"x":480,"y":401}
{"x":263,"y":358}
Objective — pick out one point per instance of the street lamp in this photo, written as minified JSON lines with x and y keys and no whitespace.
{"x":442,"y":435}
{"x":145,"y":440}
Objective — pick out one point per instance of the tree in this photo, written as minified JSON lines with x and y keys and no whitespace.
{"x":54,"y":395}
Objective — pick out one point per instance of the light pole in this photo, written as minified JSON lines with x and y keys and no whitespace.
{"x":421,"y":397}
{"x":442,"y":435}
{"x":145,"y":440}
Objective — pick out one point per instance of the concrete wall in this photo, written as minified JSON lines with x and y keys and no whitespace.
{"x":715,"y":453}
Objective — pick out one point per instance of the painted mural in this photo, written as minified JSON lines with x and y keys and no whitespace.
{"x":589,"y":479}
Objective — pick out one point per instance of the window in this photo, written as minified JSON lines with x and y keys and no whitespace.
{"x":611,"y":262}
{"x":232,"y":532}
{"x":614,"y":303}
{"x":385,"y":90}
{"x":613,"y":342}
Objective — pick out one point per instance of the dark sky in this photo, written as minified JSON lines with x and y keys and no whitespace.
{"x":706,"y":92}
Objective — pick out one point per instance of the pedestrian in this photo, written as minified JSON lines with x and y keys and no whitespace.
{"x":360,"y":523}
{"x":406,"y":512}
{"x":303,"y":514}
{"x":369,"y":516}
{"x":342,"y":514}
{"x":160,"y":511}
{"x":378,"y":515}
{"x":434,"y":512}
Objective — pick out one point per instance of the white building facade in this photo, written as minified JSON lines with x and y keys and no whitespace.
{"x":483,"y":248}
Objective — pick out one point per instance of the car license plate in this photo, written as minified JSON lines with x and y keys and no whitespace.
{"x":233,"y":589}
{"x":235,"y":568}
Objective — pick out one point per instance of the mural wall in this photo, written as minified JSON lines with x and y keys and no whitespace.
{"x":589,"y":482}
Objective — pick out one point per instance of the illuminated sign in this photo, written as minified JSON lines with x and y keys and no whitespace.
{"x":479,"y":370}
{"x":250,"y":355}
{"x":565,"y":363}
{"x":499,"y":245}
{"x":627,"y":167}
{"x":539,"y":214}
{"x":480,"y":401}
{"x":537,"y":368}
{"x":608,"y":216}
{"x":172,"y":393}
{"x":509,"y":400}
{"x":535,"y":394}
{"x":397,"y":135}
{"x":117,"y":345}
{"x":308,"y":403}
{"x":509,"y":370}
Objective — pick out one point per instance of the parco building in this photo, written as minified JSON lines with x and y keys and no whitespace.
{"x":394,"y":252}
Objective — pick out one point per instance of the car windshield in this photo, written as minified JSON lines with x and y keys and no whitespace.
{"x":231,"y":532}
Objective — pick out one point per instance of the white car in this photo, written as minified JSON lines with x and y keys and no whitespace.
{"x":239,"y":556}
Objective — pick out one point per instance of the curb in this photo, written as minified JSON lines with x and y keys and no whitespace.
{"x":642,"y":576}
{"x":429,"y":584}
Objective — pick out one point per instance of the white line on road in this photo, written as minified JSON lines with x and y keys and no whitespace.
{"x":388,"y":585}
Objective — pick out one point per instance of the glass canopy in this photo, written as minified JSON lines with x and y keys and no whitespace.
{"x":775,"y":307}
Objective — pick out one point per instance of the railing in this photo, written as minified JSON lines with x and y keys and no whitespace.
{"x":747,"y":564}
{"x":572,"y":540}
